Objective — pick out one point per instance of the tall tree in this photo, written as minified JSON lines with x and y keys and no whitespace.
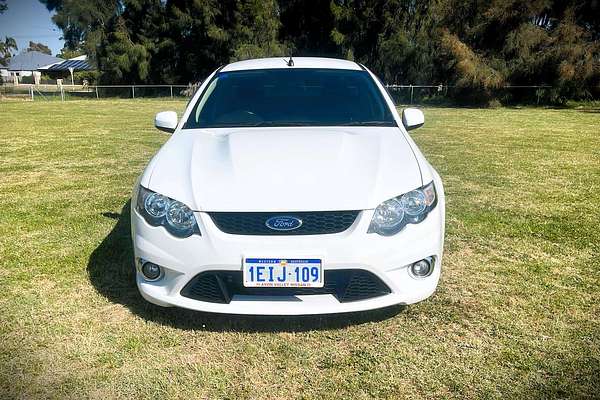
{"x":182,"y":40}
{"x":67,"y":53}
{"x":393,"y":37}
{"x":6,"y":47}
{"x":42,"y":48}
{"x":478,"y":46}
{"x":306,"y":27}
{"x":527,"y":43}
{"x":129,"y":42}
{"x":9,"y":44}
{"x":83,"y":21}
{"x":256,"y":30}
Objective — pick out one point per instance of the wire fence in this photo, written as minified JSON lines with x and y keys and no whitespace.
{"x":74,"y":92}
{"x":508,"y":94}
{"x":402,"y":94}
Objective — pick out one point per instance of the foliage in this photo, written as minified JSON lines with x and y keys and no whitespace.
{"x":6,"y":47}
{"x":477,"y":46}
{"x":306,"y":27}
{"x":255,"y":30}
{"x":474,"y":75}
{"x":42,"y":48}
{"x":120,"y":57}
{"x":28,"y":80}
{"x":83,"y":22}
{"x":90,"y":76}
{"x":8,"y":44}
{"x":66,"y":53}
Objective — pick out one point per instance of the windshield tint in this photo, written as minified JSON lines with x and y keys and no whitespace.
{"x":290,"y":97}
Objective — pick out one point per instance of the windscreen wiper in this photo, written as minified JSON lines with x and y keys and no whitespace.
{"x":368,"y":123}
{"x":283,"y":124}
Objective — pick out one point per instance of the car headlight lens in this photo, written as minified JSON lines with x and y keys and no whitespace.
{"x":180,"y":217}
{"x":156,"y":205}
{"x":388,"y":216}
{"x":391,"y":216}
{"x":413,"y":203}
{"x":160,"y":210}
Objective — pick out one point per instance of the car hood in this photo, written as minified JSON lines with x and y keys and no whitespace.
{"x":284,"y":169}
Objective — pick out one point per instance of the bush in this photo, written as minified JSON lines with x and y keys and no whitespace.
{"x":26,"y":79}
{"x":90,"y":76}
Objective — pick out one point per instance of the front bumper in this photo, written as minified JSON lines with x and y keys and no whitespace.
{"x":386,"y":257}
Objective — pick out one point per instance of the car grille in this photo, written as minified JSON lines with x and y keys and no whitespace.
{"x":313,"y":222}
{"x":345,"y":284}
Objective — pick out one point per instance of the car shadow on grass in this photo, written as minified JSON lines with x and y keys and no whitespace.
{"x":111,"y":271}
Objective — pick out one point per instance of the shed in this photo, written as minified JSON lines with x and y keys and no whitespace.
{"x":64,"y":68}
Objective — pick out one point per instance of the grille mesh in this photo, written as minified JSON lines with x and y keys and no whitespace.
{"x":207,"y":287}
{"x":313,"y":222}
{"x":345,"y":284}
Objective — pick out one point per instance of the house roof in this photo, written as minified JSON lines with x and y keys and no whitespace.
{"x":78,"y":64}
{"x":31,"y":61}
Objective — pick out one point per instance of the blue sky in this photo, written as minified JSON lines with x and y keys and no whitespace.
{"x":27,"y":20}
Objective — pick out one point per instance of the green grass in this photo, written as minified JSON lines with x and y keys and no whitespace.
{"x":516,"y":314}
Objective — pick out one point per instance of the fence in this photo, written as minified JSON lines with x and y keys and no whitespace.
{"x":68,"y":92}
{"x":402,"y":94}
{"x":424,"y":94}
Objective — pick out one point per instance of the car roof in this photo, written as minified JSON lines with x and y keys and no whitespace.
{"x":299,"y":62}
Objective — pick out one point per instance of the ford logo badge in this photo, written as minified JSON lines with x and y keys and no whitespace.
{"x":283,"y":223}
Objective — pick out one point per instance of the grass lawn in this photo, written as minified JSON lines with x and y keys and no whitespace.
{"x":516,"y":315}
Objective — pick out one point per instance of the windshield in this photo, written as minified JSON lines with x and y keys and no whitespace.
{"x":290,"y":97}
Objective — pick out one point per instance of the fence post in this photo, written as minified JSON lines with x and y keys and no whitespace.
{"x":31,"y":90}
{"x":171,"y":87}
{"x":411,"y":94}
{"x":97,"y":92}
{"x":133,"y":92}
{"x":62,"y":93}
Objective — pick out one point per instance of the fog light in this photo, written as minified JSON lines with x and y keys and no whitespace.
{"x":151,"y":271}
{"x":423,"y":268}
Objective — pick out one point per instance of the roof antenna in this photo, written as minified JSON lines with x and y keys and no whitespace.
{"x":290,"y":62}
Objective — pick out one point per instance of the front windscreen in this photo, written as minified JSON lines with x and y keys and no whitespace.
{"x":290,"y":97}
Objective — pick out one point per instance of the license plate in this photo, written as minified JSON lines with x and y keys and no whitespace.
{"x":283,"y":272}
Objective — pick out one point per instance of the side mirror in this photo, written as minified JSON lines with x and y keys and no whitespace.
{"x":412,"y":118}
{"x":166,"y":121}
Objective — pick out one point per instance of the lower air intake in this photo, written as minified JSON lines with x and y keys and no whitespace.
{"x":345,"y":284}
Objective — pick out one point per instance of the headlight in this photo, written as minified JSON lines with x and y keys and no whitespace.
{"x":159,"y":210}
{"x":410,"y":208}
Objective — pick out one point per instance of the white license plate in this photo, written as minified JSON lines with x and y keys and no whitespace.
{"x":283,"y":272}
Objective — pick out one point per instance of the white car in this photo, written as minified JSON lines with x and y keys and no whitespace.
{"x":288,"y":187}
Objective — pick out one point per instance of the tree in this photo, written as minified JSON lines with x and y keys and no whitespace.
{"x":395,"y":38}
{"x":6,"y":48}
{"x":66,"y":53}
{"x":82,"y":21}
{"x":183,"y":40}
{"x":256,"y":30}
{"x":477,"y":46}
{"x":523,"y":43}
{"x":42,"y":48}
{"x":306,"y":27}
{"x":9,"y":44}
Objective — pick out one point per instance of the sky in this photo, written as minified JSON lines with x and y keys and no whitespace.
{"x":27,"y":20}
